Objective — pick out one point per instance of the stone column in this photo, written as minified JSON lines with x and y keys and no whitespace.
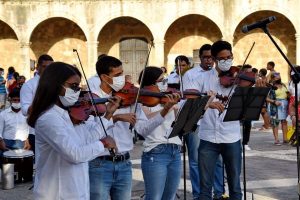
{"x":92,"y":48}
{"x":25,"y":59}
{"x":159,"y":53}
{"x":297,"y":48}
{"x":228,"y":38}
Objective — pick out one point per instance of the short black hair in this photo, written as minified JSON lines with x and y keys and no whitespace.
{"x":104,"y":64}
{"x":44,"y":57}
{"x":220,"y":46}
{"x":101,"y":56}
{"x":181,"y":58}
{"x":151,"y":75}
{"x":263,"y":71}
{"x":204,"y":47}
{"x":254,"y":70}
{"x":14,"y":93}
{"x":271,"y":63}
{"x":1,"y":69}
{"x":11,"y":70}
{"x":247,"y":66}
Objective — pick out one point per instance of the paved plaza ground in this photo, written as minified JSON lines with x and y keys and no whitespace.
{"x":271,"y":172}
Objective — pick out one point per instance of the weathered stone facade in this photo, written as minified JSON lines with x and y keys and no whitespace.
{"x":30,"y":28}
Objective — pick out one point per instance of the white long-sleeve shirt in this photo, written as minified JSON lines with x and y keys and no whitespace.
{"x":13,"y":125}
{"x":191,"y":76}
{"x":211,"y":126}
{"x":94,"y":82}
{"x":61,"y":156}
{"x":27,"y":93}
{"x":158,"y":134}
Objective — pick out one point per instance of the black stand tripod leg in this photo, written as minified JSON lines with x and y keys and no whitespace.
{"x":184,"y":167}
{"x":244,"y":165}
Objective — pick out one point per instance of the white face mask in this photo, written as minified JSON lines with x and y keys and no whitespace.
{"x":118,"y":83}
{"x":224,"y":65}
{"x":162,"y":86}
{"x":16,"y":105}
{"x":70,"y":97}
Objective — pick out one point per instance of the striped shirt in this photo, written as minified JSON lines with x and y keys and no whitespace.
{"x":2,"y":86}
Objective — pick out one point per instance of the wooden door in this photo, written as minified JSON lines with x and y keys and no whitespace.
{"x":133,"y":54}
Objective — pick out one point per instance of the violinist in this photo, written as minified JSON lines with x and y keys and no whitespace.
{"x":174,"y":77}
{"x":161,"y":162}
{"x":192,"y":139}
{"x":218,"y":137}
{"x":111,"y":176}
{"x":61,"y":154}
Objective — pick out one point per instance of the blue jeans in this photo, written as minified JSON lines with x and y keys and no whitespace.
{"x":109,"y":178}
{"x":14,"y":144}
{"x":161,"y":169}
{"x":232,"y":156}
{"x":192,"y":143}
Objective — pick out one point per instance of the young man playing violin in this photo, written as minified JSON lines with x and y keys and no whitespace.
{"x":111,"y":176}
{"x":218,"y":137}
{"x":192,"y":139}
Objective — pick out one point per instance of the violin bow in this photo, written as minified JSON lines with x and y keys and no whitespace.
{"x":141,"y":81}
{"x":236,"y":78}
{"x":111,"y":151}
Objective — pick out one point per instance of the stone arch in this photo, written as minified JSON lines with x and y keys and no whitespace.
{"x":123,"y":27}
{"x":38,"y":18}
{"x":264,"y":49}
{"x":254,"y":7}
{"x":102,"y":21}
{"x":9,"y":47}
{"x":58,"y":37}
{"x":183,"y":36}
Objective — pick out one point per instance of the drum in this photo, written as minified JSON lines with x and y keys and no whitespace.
{"x":23,"y":164}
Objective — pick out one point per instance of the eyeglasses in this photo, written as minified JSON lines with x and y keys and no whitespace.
{"x":206,"y":57}
{"x":74,"y":86}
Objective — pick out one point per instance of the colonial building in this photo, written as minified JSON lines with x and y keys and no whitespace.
{"x":125,"y":28}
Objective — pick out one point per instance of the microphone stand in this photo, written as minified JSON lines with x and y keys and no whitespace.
{"x":296,"y":79}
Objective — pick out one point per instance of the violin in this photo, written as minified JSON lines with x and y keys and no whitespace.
{"x":234,"y":76}
{"x":151,"y":96}
{"x":83,"y":108}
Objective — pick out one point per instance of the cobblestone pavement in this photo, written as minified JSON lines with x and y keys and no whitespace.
{"x":271,"y":172}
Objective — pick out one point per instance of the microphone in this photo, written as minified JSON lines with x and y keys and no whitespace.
{"x":258,"y":24}
{"x":74,"y":50}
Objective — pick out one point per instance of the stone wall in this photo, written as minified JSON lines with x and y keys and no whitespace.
{"x":30,"y":28}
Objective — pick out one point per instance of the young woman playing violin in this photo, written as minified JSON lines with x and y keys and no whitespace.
{"x":161,"y":162}
{"x":62,"y":153}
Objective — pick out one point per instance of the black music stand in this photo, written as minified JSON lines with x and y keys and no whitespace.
{"x":246,"y":104}
{"x":185,"y":122}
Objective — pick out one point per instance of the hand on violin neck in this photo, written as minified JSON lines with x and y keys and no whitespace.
{"x":112,"y":106}
{"x":172,"y":100}
{"x":216,"y":105}
{"x":127,"y":117}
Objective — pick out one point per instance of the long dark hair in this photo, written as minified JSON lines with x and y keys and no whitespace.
{"x":151,"y":75}
{"x":50,"y":85}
